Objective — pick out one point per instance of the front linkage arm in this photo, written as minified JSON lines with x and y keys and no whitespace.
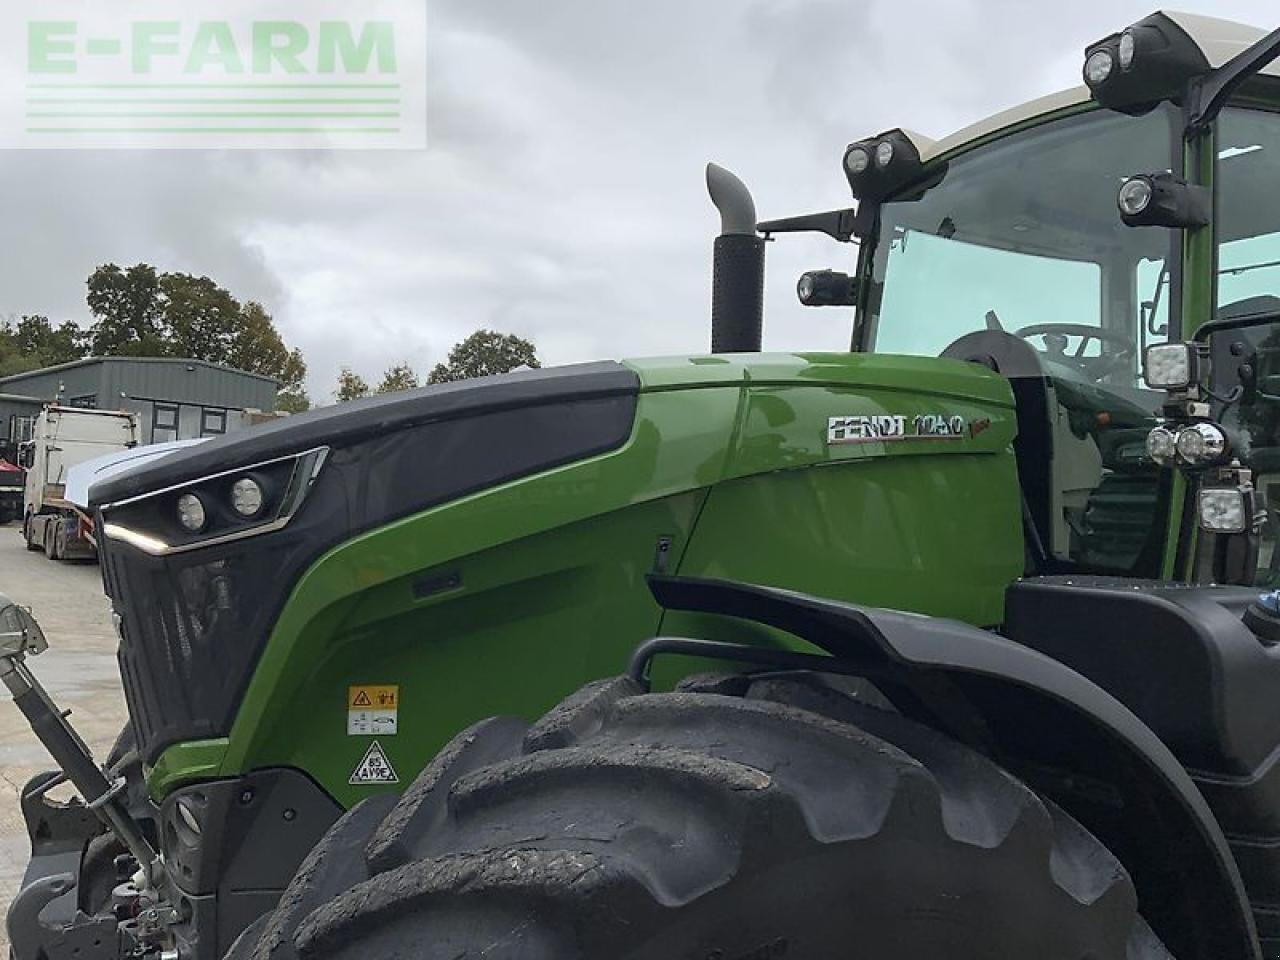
{"x":104,"y":798}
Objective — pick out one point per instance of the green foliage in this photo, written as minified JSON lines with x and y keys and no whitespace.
{"x":127,"y":307}
{"x":397,"y":378}
{"x":351,"y":386}
{"x":140,"y":313}
{"x":483,"y":354}
{"x":31,"y":342}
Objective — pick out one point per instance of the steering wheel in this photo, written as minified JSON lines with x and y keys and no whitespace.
{"x":1055,"y":340}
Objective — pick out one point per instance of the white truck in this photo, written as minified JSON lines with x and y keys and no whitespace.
{"x":63,"y":437}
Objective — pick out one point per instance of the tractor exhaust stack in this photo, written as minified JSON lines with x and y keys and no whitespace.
{"x":737,"y":276}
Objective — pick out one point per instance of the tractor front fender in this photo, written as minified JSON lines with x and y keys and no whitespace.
{"x":1049,"y":725}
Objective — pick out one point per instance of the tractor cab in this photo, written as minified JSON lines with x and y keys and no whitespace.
{"x":1060,"y":241}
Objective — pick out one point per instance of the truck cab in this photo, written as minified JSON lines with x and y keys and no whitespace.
{"x":61,"y":438}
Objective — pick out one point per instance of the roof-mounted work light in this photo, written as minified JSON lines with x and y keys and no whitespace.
{"x":1180,"y":58}
{"x":881,"y":165}
{"x":1151,"y":61}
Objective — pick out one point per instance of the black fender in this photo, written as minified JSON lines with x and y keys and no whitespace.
{"x":1047,"y":724}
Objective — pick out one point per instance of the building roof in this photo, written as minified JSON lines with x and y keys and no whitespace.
{"x":88,"y":361}
{"x":1219,"y":41}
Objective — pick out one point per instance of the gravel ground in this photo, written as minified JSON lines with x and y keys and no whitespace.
{"x":79,"y":671}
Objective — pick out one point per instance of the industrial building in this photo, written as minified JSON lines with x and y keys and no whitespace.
{"x":174,"y":399}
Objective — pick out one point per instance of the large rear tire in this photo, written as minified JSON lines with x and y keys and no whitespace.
{"x":731,"y":820}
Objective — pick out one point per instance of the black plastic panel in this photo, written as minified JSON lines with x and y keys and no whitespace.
{"x":195,"y":623}
{"x":1182,"y":659}
{"x":253,"y":833}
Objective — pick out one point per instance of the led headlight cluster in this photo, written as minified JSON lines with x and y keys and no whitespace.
{"x":216,"y":508}
{"x":1151,"y":61}
{"x":1196,"y":445}
{"x":879,"y":166}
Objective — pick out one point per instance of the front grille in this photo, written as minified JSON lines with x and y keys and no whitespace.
{"x":192,"y":627}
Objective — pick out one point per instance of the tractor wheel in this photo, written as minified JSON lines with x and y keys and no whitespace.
{"x":734,"y":819}
{"x":50,"y":542}
{"x":60,"y":541}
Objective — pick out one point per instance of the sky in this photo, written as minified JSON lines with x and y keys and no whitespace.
{"x":560,"y":196}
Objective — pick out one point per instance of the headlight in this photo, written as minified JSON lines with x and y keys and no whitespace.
{"x":1223,"y":510}
{"x":1162,"y":445}
{"x":191,"y":513}
{"x":1098,"y":67}
{"x":881,"y":165}
{"x":1134,"y":196}
{"x":215,"y":509}
{"x":1152,"y":60}
{"x":1170,"y":366}
{"x":1201,"y":444}
{"x":804,"y":288}
{"x":857,"y":160}
{"x":826,"y":288}
{"x":1163,"y":200}
{"x":1126,"y":50}
{"x":246,"y":497}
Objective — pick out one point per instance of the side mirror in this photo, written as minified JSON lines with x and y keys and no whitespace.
{"x":20,"y":635}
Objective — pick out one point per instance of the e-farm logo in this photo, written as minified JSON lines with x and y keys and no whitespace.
{"x":263,"y":74}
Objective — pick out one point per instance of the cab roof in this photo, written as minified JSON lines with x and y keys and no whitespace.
{"x":1219,"y":41}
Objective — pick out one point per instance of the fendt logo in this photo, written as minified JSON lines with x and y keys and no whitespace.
{"x":264,"y":74}
{"x":890,"y":427}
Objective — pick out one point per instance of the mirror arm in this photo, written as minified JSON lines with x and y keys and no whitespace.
{"x":1207,"y":95}
{"x":838,"y":224}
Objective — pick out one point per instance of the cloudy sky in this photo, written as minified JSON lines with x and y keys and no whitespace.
{"x":561,"y":195}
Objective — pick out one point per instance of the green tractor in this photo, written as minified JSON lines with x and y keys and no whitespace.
{"x":958,"y":644}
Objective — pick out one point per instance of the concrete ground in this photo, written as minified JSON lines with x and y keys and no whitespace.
{"x":79,"y":671}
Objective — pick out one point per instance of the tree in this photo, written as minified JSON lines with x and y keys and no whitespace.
{"x":31,"y":342}
{"x":351,"y":386}
{"x":397,"y":378}
{"x":141,"y":313}
{"x":128,"y":308}
{"x":200,"y":319}
{"x":257,"y":345}
{"x":483,"y":354}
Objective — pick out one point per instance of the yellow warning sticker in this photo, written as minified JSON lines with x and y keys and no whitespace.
{"x":367,"y":697}
{"x":373,"y":709}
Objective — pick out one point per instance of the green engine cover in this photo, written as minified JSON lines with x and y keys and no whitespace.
{"x":877,"y":479}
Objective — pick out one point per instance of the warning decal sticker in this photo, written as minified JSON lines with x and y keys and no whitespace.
{"x":372,"y":709}
{"x":374,"y":767}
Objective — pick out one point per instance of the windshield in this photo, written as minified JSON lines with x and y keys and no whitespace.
{"x":1249,"y":283}
{"x":1020,"y":248}
{"x":1024,"y":236}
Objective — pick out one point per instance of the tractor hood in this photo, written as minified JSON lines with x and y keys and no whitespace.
{"x":602,"y":384}
{"x":197,"y":602}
